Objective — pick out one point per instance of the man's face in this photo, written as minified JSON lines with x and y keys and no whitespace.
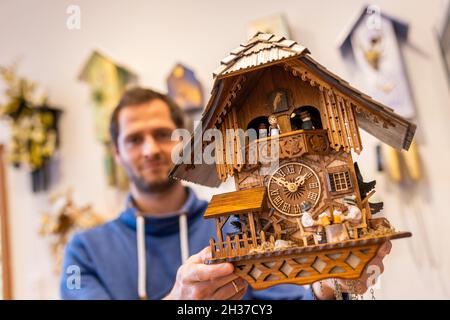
{"x":144,"y":145}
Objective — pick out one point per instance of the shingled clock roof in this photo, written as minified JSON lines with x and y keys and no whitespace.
{"x":261,"y":50}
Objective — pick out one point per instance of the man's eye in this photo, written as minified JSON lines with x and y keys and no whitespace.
{"x":134,"y":140}
{"x":163,"y":136}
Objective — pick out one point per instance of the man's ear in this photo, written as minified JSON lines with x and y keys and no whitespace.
{"x":115,"y":150}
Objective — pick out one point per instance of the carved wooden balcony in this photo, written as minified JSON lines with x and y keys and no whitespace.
{"x":291,"y":145}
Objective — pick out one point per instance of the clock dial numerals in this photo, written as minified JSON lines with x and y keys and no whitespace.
{"x":274,"y":192}
{"x":290,"y":169}
{"x":278,"y":201}
{"x":312,"y":196}
{"x":291,"y":185}
{"x":286,"y":207}
{"x":313,"y":185}
{"x":281,"y":173}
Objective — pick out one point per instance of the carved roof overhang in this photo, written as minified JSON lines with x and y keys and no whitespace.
{"x":234,"y":81}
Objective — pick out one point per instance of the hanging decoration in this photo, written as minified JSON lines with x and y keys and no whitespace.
{"x":443,"y":34}
{"x":371,"y":50}
{"x":34,"y":128}
{"x":275,"y":24}
{"x":107,"y":81}
{"x":185,"y":89}
{"x":65,"y":218}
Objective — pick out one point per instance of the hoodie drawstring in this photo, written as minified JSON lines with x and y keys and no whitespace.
{"x":184,"y":240}
{"x":140,"y":233}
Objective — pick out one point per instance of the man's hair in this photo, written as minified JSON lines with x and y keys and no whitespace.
{"x":137,"y":96}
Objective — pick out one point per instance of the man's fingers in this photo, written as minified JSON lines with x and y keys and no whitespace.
{"x":229,"y":290}
{"x":205,"y":254}
{"x":202,"y":272}
{"x":240,"y":295}
{"x":360,"y":287}
{"x":343,"y":284}
{"x":220,"y":282}
{"x":368,"y":278}
{"x":201,"y":256}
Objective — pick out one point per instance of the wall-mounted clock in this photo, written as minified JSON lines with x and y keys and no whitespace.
{"x":290,"y":185}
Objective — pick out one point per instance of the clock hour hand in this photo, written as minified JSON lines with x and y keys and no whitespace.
{"x":281,"y":182}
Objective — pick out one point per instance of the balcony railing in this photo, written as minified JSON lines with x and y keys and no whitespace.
{"x":237,"y":246}
{"x":289,"y":145}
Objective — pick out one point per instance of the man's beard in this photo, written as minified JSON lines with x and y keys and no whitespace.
{"x":145,"y":186}
{"x":152,"y":187}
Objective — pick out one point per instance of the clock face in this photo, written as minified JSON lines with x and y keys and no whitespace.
{"x":292,"y":184}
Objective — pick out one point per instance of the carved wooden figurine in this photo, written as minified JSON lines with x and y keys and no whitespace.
{"x":274,"y":128}
{"x":303,"y":215}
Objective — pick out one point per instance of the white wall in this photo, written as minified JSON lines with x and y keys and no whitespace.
{"x":150,"y":37}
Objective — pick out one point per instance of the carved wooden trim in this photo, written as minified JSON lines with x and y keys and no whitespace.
{"x":293,"y":144}
{"x":305,"y":265}
{"x":300,"y":70}
{"x":308,"y":268}
{"x":232,"y":94}
{"x":336,"y":169}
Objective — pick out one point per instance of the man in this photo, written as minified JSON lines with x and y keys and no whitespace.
{"x":144,"y":253}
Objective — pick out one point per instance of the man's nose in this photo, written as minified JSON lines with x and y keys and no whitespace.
{"x":150,"y":147}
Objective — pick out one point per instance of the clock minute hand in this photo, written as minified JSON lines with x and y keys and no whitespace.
{"x":300,"y":180}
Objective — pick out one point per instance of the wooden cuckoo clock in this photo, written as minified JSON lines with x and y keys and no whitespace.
{"x":301,"y":209}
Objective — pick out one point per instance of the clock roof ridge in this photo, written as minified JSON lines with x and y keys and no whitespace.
{"x":260,"y":50}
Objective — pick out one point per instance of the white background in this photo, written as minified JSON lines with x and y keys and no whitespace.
{"x":150,"y":37}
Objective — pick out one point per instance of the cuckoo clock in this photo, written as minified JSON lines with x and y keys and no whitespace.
{"x":301,"y":209}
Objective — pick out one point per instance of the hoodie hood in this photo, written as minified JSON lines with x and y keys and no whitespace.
{"x":167,"y":223}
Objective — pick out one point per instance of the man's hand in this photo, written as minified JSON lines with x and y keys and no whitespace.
{"x":360,"y":286}
{"x":198,"y":281}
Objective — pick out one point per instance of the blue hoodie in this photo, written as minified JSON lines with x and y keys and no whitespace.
{"x":101,"y":263}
